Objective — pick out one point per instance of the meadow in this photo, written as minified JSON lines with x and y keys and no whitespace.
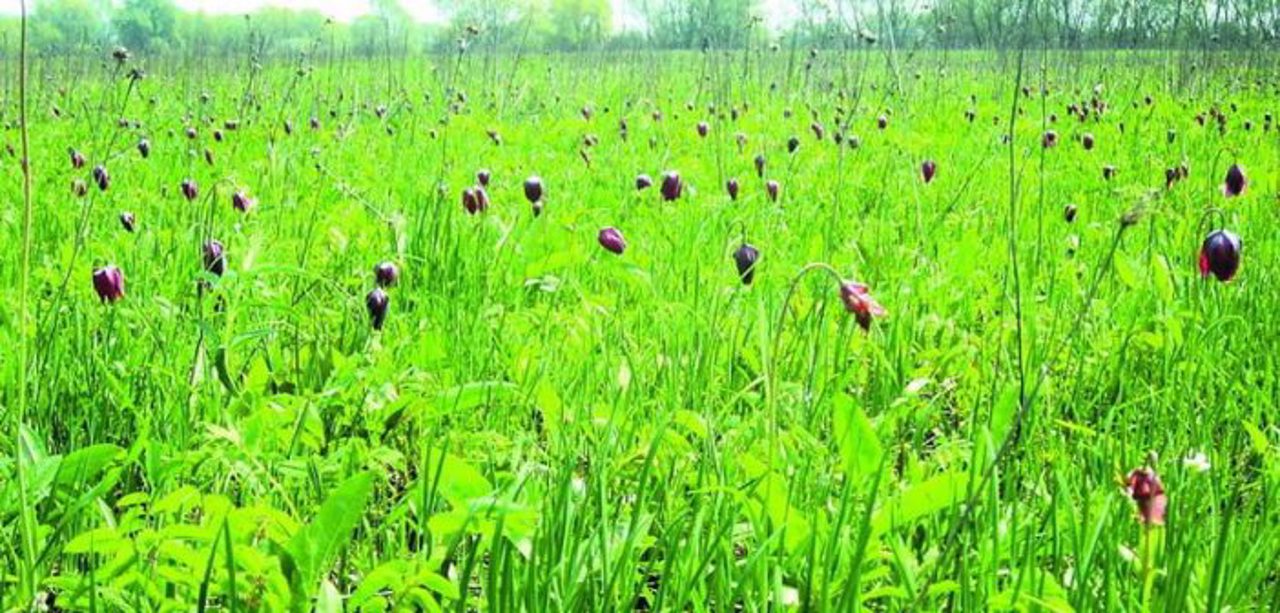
{"x":962,"y":336}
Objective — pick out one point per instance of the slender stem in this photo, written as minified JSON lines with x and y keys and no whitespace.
{"x":26,"y":530}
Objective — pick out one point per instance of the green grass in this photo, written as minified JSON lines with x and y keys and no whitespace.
{"x":543,"y":425}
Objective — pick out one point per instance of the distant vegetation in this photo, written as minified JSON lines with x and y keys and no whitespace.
{"x":159,"y":26}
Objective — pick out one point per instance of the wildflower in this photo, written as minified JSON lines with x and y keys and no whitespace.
{"x":1220,"y":255}
{"x":611,"y":239}
{"x":858,"y":300}
{"x":108,"y":282}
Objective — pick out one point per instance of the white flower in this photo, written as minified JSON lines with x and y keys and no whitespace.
{"x":1197,"y":462}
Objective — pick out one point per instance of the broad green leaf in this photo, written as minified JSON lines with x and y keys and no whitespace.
{"x":859,"y":446}
{"x":313,"y":548}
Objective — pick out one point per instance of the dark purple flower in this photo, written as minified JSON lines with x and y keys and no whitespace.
{"x":471,"y":200}
{"x":643,"y":182}
{"x":1220,"y":255}
{"x":745,"y":259}
{"x":1087,"y":141}
{"x":127,"y":220}
{"x":217,"y":135}
{"x":386,"y":274}
{"x":242,"y":202}
{"x":1235,"y":183}
{"x":882,"y":122}
{"x":77,"y":159}
{"x":215,"y":258}
{"x":101,"y":177}
{"x":144,"y":148}
{"x":482,"y":177}
{"x":611,"y":239}
{"x":1069,"y":213}
{"x":793,"y":144}
{"x":1049,"y":140}
{"x":928,"y":169}
{"x":533,"y":188}
{"x":1108,"y":172}
{"x":672,"y":186}
{"x":703,"y":129}
{"x":108,"y":282}
{"x":377,"y":302}
{"x":731,"y":186}
{"x":773,"y":189}
{"x":191,"y":133}
{"x":189,"y":189}
{"x":760,"y":165}
{"x":857,"y":300}
{"x":1144,"y":488}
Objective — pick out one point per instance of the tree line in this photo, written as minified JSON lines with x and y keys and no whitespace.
{"x":160,"y":27}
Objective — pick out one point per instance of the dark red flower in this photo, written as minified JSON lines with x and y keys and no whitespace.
{"x":643,"y":182}
{"x":732,"y":186}
{"x":773,"y":188}
{"x":533,"y":188}
{"x":215,"y":258}
{"x":127,"y":220}
{"x":857,"y":300}
{"x":189,"y":189}
{"x":1146,"y":491}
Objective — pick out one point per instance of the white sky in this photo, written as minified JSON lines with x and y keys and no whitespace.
{"x":777,"y":13}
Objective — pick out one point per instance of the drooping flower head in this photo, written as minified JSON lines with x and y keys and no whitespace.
{"x":745,"y":259}
{"x":108,"y":282}
{"x":611,"y":239}
{"x":1220,"y":255}
{"x":1145,"y":489}
{"x":1235,"y":183}
{"x":858,"y":300}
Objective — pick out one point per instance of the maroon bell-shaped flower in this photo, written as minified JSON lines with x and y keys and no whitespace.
{"x":108,"y":282}
{"x":189,"y":189}
{"x":241,"y":201}
{"x":611,"y":239}
{"x":101,"y":177}
{"x":857,"y":300}
{"x":1235,"y":183}
{"x":732,"y":187}
{"x":377,"y":302}
{"x":1049,"y":140}
{"x":1087,"y":141}
{"x":882,"y":122}
{"x":1108,"y":172}
{"x":1069,"y":213}
{"x":482,"y":177}
{"x":1144,"y":488}
{"x":745,"y":259}
{"x":215,"y":258}
{"x":533,"y":189}
{"x":703,"y":129}
{"x":793,"y":144}
{"x":643,"y":182}
{"x":144,"y":148}
{"x":77,"y":159}
{"x":927,"y":170}
{"x":773,"y":188}
{"x":127,"y":221}
{"x":1220,"y":255}
{"x":386,"y":274}
{"x":672,"y":186}
{"x":760,"y":165}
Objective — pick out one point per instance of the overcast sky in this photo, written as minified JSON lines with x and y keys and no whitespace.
{"x":777,"y":13}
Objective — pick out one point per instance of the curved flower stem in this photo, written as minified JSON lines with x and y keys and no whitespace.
{"x":791,"y":289}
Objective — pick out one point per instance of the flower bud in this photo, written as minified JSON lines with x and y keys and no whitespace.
{"x":1235,"y":183}
{"x":927,"y":170}
{"x":672,"y":186}
{"x":745,"y":259}
{"x":773,"y":189}
{"x":857,"y":300}
{"x":643,"y":182}
{"x":386,"y":274}
{"x":377,"y":302}
{"x":101,"y":177}
{"x":215,"y":259}
{"x":127,"y":220}
{"x":731,"y":186}
{"x":611,"y":239}
{"x":533,"y":190}
{"x":189,"y":189}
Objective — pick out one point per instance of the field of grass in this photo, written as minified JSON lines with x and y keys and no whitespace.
{"x":541,"y":423}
